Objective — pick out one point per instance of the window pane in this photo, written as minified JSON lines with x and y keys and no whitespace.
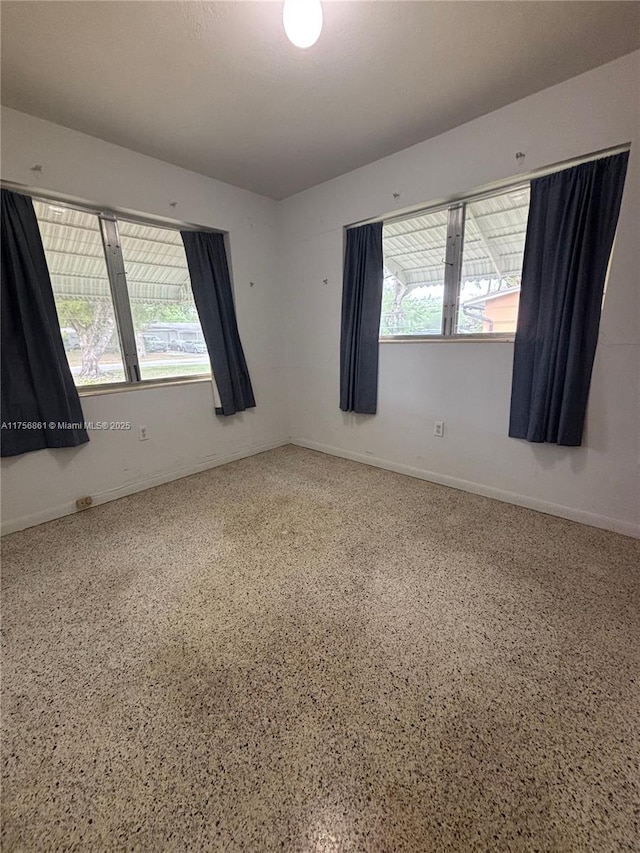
{"x":413,"y":291}
{"x":75,"y":257}
{"x":168,"y":333}
{"x":494,"y":236}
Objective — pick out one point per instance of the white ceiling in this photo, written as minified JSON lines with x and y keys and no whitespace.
{"x":217,"y":88}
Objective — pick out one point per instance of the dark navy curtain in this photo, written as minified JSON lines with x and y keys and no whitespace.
{"x":40,"y":404}
{"x":211,"y":285}
{"x":361,"y":304}
{"x":572,"y":222}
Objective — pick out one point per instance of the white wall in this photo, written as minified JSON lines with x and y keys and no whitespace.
{"x":185,"y":434}
{"x":468,"y":384}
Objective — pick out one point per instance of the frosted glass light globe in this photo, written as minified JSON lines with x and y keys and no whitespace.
{"x":302,"y":21}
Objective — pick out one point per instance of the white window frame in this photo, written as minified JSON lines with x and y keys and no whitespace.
{"x":108,"y":225}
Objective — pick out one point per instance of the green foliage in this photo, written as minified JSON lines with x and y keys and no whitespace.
{"x":468,"y":324}
{"x":419,"y":314}
{"x":76,"y":312}
{"x":82,"y":312}
{"x":162,"y":312}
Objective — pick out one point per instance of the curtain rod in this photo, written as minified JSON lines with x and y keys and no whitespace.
{"x":514,"y":182}
{"x":50,"y":196}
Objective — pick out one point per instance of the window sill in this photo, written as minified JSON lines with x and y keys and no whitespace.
{"x":118,"y":387}
{"x":447,"y":339}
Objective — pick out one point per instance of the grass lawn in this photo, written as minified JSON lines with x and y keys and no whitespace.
{"x":112,"y":370}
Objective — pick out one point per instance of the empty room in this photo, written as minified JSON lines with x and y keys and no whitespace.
{"x":320,"y":479}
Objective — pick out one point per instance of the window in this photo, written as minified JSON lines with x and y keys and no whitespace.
{"x":123,"y":296}
{"x":455,"y":271}
{"x":169,"y":340}
{"x":413,"y":289}
{"x":80,"y":282}
{"x":494,"y":234}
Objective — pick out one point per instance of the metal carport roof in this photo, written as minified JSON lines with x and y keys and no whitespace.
{"x":155,"y":262}
{"x":494,"y":237}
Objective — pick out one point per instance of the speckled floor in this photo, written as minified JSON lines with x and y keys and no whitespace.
{"x":295,"y":652}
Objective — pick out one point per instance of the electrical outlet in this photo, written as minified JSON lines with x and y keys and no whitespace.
{"x":143,"y":435}
{"x":84,"y":503}
{"x":438,"y":428}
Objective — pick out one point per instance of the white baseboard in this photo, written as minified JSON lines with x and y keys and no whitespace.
{"x":594,"y":520}
{"x":628,"y":528}
{"x":49,"y":514}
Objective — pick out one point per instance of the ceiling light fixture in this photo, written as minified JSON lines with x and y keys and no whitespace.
{"x":302,"y":21}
